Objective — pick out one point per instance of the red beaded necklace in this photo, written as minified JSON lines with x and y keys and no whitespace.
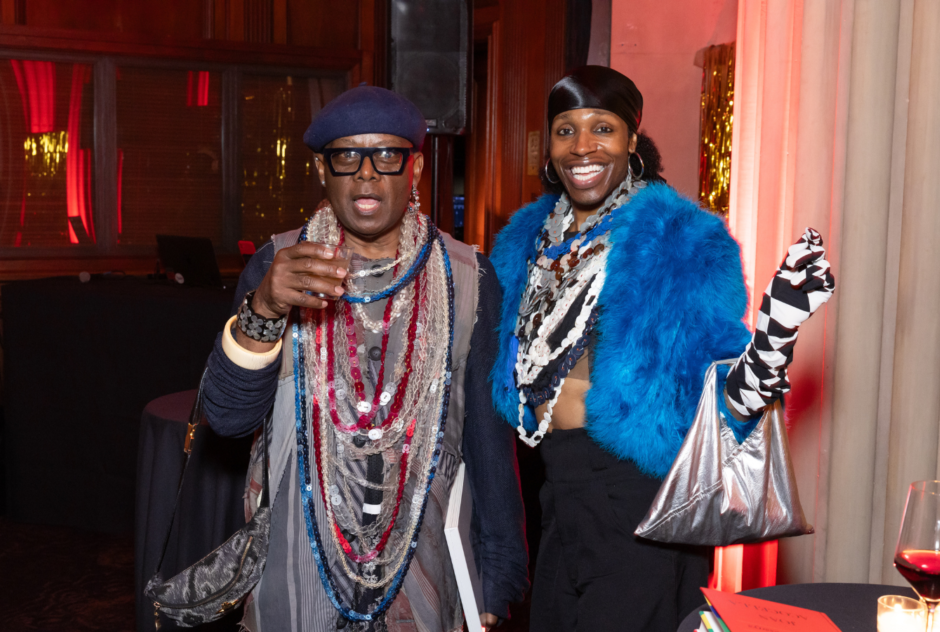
{"x":402,"y":479}
{"x":365,"y":419}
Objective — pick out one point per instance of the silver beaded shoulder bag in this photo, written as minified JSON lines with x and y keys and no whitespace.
{"x":217,"y":583}
{"x":719,"y":492}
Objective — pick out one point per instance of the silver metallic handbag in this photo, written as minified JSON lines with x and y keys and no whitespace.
{"x":719,"y":492}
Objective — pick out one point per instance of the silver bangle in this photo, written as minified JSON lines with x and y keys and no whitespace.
{"x":256,"y":327}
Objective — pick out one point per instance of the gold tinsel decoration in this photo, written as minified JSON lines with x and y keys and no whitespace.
{"x":46,"y":152}
{"x":714,"y":175}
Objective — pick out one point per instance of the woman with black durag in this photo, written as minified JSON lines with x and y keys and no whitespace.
{"x":618,"y":293}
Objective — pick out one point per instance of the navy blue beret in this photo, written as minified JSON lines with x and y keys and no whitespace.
{"x":366,"y":110}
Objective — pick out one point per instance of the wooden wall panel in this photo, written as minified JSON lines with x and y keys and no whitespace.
{"x":522,"y":44}
{"x":492,"y":158}
{"x":535,"y":104}
{"x":180,"y":19}
{"x":280,"y":21}
{"x":367,"y":39}
{"x":485,"y":13}
{"x":553,"y":69}
{"x":477,"y":178}
{"x":259,"y":17}
{"x":554,"y":53}
{"x":12,"y":11}
{"x":324,"y":23}
{"x":320,"y":23}
{"x":531,"y":60}
{"x":511,"y":125}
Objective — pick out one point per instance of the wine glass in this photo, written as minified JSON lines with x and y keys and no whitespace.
{"x":917,"y":556}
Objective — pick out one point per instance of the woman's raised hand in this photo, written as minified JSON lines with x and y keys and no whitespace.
{"x":802,"y":284}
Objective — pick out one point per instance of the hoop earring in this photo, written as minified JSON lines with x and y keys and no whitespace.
{"x":630,"y":166}
{"x":548,"y":177}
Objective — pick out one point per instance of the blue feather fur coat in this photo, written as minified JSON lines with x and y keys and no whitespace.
{"x":672,"y":303}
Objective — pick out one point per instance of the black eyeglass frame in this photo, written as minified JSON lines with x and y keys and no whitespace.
{"x":367,"y":152}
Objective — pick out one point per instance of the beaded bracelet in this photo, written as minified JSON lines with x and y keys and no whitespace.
{"x":256,"y":327}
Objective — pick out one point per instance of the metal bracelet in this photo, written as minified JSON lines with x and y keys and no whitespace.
{"x":256,"y":327}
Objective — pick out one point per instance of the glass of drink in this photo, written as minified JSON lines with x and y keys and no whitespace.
{"x":917,"y":556}
{"x":341,"y":257}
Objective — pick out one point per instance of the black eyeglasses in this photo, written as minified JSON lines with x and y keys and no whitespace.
{"x":346,"y":161}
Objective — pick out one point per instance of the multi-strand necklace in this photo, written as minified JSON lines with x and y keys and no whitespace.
{"x":402,"y":422}
{"x":565,"y":273}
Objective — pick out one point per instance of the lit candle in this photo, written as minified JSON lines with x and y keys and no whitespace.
{"x":901,"y":614}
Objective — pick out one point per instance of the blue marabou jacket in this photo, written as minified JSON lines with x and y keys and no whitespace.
{"x":672,"y":303}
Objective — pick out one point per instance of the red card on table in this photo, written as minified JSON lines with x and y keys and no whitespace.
{"x":744,"y":614}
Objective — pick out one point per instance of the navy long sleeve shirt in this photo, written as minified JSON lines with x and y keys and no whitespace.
{"x":236,"y":400}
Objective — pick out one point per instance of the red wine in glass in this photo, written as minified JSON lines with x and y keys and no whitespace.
{"x":917,"y":555}
{"x":922,"y":570}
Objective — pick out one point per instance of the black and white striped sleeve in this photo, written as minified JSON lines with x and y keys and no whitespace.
{"x":802,"y":284}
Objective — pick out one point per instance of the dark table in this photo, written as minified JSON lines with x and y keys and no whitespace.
{"x":852,"y":607}
{"x":81,"y":360}
{"x":211,"y":505}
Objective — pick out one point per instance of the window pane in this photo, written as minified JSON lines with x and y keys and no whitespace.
{"x":46,"y":158}
{"x":169,"y":138}
{"x":280,"y":186}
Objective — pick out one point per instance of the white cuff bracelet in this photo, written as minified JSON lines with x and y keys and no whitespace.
{"x":243,"y":357}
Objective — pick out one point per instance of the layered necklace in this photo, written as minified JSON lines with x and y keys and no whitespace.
{"x":402,"y":421}
{"x":567,"y":273}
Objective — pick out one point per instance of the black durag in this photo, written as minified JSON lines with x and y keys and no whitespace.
{"x":601,"y":88}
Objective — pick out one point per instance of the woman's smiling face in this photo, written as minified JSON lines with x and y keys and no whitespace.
{"x":590,"y":151}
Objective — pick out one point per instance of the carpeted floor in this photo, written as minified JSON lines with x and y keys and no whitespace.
{"x":59,"y":579}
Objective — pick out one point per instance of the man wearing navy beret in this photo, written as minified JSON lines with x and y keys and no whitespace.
{"x":372,"y":334}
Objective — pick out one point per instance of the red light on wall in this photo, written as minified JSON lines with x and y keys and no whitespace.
{"x":120,"y":173}
{"x":78,"y":160}
{"x":197,"y":88}
{"x":36,"y":82}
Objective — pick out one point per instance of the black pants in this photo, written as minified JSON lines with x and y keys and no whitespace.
{"x":592,"y":573}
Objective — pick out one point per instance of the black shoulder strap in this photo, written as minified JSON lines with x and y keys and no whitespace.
{"x":195,"y":417}
{"x":265,"y":428}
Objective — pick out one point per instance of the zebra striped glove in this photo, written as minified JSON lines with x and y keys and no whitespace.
{"x":802,"y":284}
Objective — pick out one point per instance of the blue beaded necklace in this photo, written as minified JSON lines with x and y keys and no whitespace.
{"x":406,"y":278}
{"x":553,"y":252}
{"x":303,"y":449}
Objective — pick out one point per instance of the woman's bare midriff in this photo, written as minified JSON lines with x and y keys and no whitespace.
{"x":569,"y":411}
